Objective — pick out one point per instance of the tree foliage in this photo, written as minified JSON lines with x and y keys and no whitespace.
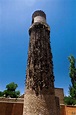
{"x":1,"y":94}
{"x":11,"y":86}
{"x":72,"y":69}
{"x":10,"y":91}
{"x":71,"y":99}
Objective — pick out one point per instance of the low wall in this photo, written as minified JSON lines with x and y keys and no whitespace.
{"x":12,"y":100}
{"x":68,"y":110}
{"x":15,"y":107}
{"x":62,"y":110}
{"x":11,"y":106}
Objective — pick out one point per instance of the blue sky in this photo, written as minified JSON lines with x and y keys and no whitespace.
{"x":15,"y":20}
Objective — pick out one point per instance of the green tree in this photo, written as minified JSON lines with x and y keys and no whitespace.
{"x":11,"y":90}
{"x":1,"y":94}
{"x":71,"y":99}
{"x":72,"y":69}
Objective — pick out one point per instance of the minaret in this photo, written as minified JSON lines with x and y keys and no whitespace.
{"x":39,"y":98}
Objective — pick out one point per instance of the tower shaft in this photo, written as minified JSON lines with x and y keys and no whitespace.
{"x":40,"y":98}
{"x":40,"y":67}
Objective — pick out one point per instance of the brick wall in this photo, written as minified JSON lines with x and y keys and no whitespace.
{"x":62,"y":110}
{"x":68,"y":110}
{"x":11,"y":108}
{"x":60,"y":93}
{"x":15,"y":107}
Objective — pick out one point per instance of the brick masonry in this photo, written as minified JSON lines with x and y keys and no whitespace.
{"x":11,"y":106}
{"x":15,"y":107}
{"x":59,"y":92}
{"x":41,"y":105}
{"x":67,"y":110}
{"x":39,"y":98}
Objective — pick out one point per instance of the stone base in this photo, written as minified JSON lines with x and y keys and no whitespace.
{"x":40,"y":105}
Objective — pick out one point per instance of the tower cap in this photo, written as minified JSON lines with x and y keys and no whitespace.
{"x":38,"y":13}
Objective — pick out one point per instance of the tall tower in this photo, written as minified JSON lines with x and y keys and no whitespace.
{"x":39,"y":98}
